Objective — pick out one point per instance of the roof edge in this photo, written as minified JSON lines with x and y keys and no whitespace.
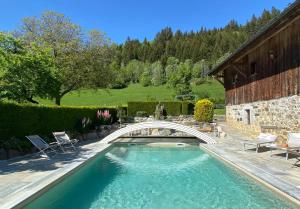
{"x":262,"y":31}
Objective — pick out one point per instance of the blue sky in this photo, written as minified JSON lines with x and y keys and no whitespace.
{"x":138,"y":18}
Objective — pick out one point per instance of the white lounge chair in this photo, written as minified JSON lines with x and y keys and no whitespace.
{"x":293,"y":145}
{"x":63,"y":140}
{"x":262,"y":139}
{"x":42,"y":146}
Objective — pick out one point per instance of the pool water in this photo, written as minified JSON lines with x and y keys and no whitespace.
{"x":156,"y":177}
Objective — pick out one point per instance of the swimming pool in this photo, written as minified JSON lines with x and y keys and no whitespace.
{"x":158,"y":177}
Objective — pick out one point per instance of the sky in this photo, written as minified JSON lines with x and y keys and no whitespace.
{"x":120,"y":19}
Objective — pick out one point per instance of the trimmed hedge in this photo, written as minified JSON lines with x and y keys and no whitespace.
{"x":187,"y":108}
{"x":172,"y":108}
{"x":20,"y":120}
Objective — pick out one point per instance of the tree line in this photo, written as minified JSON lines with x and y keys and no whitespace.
{"x":50,"y":56}
{"x":179,"y":59}
{"x":204,"y":44}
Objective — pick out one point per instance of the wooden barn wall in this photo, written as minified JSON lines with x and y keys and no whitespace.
{"x":274,"y":78}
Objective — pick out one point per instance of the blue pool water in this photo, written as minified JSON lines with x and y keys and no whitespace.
{"x":154,"y":177}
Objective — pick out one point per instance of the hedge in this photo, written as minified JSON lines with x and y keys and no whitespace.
{"x":172,"y":108}
{"x":187,"y":108}
{"x":20,"y":120}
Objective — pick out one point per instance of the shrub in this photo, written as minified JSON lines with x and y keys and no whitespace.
{"x":184,"y":108}
{"x":204,"y":110}
{"x":186,"y":97}
{"x":83,"y":125}
{"x":171,"y":108}
{"x":218,"y":101}
{"x":103,"y":117}
{"x":121,"y":114}
{"x":134,"y":107}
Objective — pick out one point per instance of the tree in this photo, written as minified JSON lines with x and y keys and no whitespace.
{"x":158,"y":75}
{"x":134,"y":69}
{"x":171,"y":70}
{"x":146,"y":76}
{"x":131,"y":50}
{"x":119,"y":75}
{"x":27,"y":71}
{"x":96,"y":60}
{"x":205,"y":44}
{"x":79,"y":64}
{"x":184,"y":76}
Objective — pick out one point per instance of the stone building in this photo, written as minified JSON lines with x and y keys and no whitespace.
{"x":262,"y":77}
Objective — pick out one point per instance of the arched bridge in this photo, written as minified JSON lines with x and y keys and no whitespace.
{"x":158,"y":124}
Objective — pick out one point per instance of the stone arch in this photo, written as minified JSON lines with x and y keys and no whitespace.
{"x":158,"y":124}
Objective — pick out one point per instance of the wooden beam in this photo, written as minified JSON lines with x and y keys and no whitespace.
{"x":220,"y":79}
{"x":237,"y":69}
{"x":238,"y":63}
{"x":219,"y":76}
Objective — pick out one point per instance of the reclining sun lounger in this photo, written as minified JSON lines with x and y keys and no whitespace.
{"x":293,"y":145}
{"x":262,"y":139}
{"x":43,"y":146}
{"x":63,"y":140}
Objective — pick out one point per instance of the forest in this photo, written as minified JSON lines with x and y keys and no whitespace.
{"x":179,"y":59}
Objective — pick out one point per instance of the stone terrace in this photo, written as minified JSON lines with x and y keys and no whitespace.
{"x":276,"y":170}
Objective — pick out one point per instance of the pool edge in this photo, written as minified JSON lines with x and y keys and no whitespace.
{"x":257,"y":178}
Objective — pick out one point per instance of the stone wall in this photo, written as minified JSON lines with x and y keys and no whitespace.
{"x":276,"y":116}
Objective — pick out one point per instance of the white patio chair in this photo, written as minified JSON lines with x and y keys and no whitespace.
{"x":63,"y":140}
{"x":293,"y":145}
{"x":42,"y":146}
{"x":262,"y":139}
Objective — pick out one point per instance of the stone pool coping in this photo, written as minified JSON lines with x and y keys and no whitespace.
{"x":24,"y":195}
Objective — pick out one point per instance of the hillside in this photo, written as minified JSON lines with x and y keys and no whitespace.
{"x":134,"y":92}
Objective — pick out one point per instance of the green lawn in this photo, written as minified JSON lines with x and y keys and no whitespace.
{"x":220,"y":111}
{"x":134,"y":92}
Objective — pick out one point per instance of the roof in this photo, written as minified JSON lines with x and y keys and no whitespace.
{"x":273,"y":25}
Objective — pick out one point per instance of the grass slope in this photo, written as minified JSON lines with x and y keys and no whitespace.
{"x":134,"y":92}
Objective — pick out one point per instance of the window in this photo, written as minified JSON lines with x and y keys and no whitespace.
{"x":234,"y":79}
{"x":253,"y":66}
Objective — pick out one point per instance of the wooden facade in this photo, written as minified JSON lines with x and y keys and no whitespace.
{"x":268,"y":66}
